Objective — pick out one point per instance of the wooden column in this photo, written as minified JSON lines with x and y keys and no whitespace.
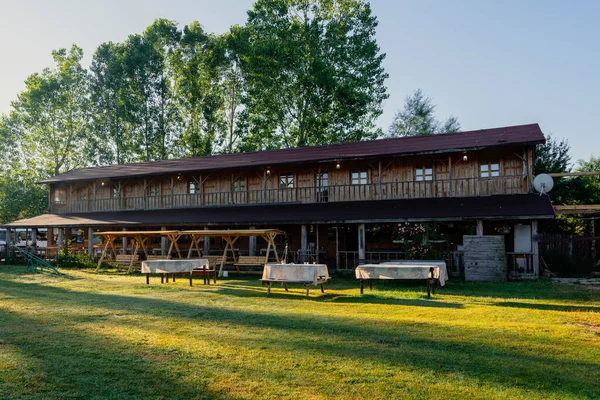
{"x":8,"y":242}
{"x":60,"y":242}
{"x":317,"y":244}
{"x":163,"y":243}
{"x":252,"y":244}
{"x":337,"y":247}
{"x":479,"y":227}
{"x":362,"y":246}
{"x":535,"y":248}
{"x":303,"y":244}
{"x":34,"y":240}
{"x":206,"y":239}
{"x":124,"y":242}
{"x":50,"y":237}
{"x":90,"y":242}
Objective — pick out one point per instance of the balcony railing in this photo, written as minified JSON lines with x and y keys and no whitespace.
{"x":462,"y":187}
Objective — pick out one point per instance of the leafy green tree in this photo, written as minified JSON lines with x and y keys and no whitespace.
{"x":111,"y":140}
{"x":196,"y":65}
{"x":21,"y":197}
{"x":313,"y":73}
{"x":417,"y":118}
{"x":51,"y":117}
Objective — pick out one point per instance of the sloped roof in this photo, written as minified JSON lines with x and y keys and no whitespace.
{"x":450,"y":142}
{"x":458,"y":208}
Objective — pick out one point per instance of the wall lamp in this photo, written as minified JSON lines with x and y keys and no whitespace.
{"x":337,"y":165}
{"x":268,"y":171}
{"x":465,"y":158}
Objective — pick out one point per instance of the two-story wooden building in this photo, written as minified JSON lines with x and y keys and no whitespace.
{"x":338,"y":204}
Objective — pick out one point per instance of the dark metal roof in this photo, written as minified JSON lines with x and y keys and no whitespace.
{"x":469,"y":140}
{"x":489,"y":207}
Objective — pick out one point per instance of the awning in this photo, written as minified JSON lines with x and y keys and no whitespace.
{"x":525,"y":206}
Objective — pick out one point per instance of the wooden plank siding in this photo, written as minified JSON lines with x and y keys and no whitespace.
{"x":388,"y":178}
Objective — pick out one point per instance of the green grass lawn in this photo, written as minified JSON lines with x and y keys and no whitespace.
{"x":108,"y":335}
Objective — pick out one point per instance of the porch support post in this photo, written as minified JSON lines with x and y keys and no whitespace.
{"x":34,"y":240}
{"x":60,"y":243}
{"x":337,"y":247}
{"x":362,"y":254}
{"x":206,"y":248}
{"x":303,"y":244}
{"x":252,"y":244}
{"x":164,"y":241}
{"x":535,"y":248}
{"x":90,"y":242}
{"x":8,"y":242}
{"x":124,"y":242}
{"x":479,"y":227}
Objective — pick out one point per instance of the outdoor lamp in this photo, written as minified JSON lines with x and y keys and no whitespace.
{"x":465,"y":158}
{"x":337,"y":165}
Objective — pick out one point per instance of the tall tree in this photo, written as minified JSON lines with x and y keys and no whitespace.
{"x":196,"y":64}
{"x":417,"y":118}
{"x":52,"y":115}
{"x":111,"y":141}
{"x":313,"y":72}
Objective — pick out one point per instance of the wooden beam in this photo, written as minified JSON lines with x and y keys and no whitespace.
{"x":563,"y":174}
{"x":578,"y":209}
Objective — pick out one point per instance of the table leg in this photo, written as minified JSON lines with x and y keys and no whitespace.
{"x":162,"y":278}
{"x":370,"y":284}
{"x":307,"y":290}
{"x":362,"y":286}
{"x":147,"y":279}
{"x":190,"y":278}
{"x":433,"y":287}
{"x":173,"y":278}
{"x":428,"y":289}
{"x":322,"y":289}
{"x":268,"y":288}
{"x":167,"y":278}
{"x":214,"y":276}
{"x":285,"y":286}
{"x":204,"y":274}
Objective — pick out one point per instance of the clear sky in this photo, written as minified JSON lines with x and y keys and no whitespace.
{"x":489,"y":62}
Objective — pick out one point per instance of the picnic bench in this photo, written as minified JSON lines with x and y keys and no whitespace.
{"x":250,"y":261}
{"x":126,"y":260}
{"x":432,"y":272}
{"x":305,"y":274}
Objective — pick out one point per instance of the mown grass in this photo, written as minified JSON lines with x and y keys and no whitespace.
{"x":108,"y":335}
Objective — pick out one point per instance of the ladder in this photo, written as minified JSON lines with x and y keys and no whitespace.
{"x":34,"y":262}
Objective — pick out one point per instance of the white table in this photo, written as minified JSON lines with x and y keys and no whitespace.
{"x":306,"y":274}
{"x":175,"y":267}
{"x":432,"y":272}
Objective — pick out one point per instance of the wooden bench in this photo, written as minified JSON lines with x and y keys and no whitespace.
{"x":213,"y":261}
{"x":250,"y":260}
{"x":124,"y":260}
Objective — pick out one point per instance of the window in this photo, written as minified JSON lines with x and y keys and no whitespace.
{"x":424,"y":173}
{"x":286,"y":181}
{"x":359,"y":177}
{"x":154,"y":190}
{"x":489,"y":168}
{"x":194,"y":188}
{"x":239,"y":184}
{"x":323,"y":187}
{"x":83,"y":195}
{"x":115,"y":193}
{"x":60,"y":196}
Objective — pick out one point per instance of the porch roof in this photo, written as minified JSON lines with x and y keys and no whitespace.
{"x":526,"y":206}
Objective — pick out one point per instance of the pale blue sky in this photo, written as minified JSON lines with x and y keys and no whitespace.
{"x":489,"y":62}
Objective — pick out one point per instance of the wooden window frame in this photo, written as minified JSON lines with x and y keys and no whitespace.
{"x":154,"y":193}
{"x":359,"y":179}
{"x":239,"y":184}
{"x":193,"y":187}
{"x":421,"y":174}
{"x":489,"y":172}
{"x":287,"y":181}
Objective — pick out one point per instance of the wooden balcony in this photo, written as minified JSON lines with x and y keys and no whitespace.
{"x":463,"y":187}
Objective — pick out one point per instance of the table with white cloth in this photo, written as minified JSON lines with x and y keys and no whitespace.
{"x":176,"y":267}
{"x":433,"y":272}
{"x":306,"y":274}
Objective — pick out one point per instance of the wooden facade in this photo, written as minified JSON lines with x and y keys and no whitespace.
{"x":476,"y":173}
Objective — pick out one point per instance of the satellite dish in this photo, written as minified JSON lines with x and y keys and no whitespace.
{"x":543,"y":183}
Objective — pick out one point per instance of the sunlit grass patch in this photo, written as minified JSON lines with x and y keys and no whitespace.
{"x":110,"y":335}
